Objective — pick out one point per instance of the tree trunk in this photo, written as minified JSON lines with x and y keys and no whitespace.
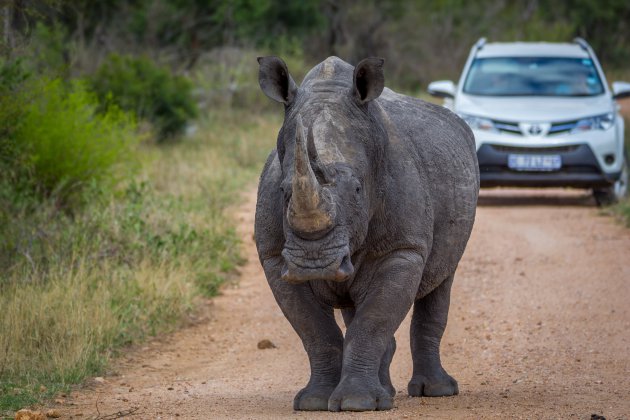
{"x":6,"y":38}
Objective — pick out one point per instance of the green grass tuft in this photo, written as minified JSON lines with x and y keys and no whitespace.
{"x":622,"y":211}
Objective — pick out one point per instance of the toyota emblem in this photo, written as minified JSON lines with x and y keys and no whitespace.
{"x":535,"y":130}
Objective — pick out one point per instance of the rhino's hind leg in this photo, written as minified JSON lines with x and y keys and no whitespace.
{"x":427,"y":326}
{"x":386,"y":361}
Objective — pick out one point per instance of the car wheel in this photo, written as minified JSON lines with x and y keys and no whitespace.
{"x":616,"y":192}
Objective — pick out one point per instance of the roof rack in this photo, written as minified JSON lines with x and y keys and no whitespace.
{"x":479,"y":44}
{"x":582,"y":43}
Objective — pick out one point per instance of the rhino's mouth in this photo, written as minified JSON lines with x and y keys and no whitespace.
{"x":331,"y":264}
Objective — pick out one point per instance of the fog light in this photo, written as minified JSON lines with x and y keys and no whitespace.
{"x":609,"y":159}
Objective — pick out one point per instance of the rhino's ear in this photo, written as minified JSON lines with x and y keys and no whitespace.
{"x":275,"y":80}
{"x":369,"y":80}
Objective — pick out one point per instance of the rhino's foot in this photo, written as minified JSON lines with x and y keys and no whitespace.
{"x":389,"y":388}
{"x":432,"y":386}
{"x":360,"y":394}
{"x":313,"y":398}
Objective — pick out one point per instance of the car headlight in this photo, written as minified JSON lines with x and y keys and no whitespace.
{"x":598,"y":122}
{"x":478,"y":123}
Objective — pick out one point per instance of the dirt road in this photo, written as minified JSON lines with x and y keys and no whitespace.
{"x":539,"y":328}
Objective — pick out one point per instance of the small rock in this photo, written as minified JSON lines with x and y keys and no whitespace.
{"x":266,"y":344}
{"x":42,"y":388}
{"x":99,"y":380}
{"x":60,"y":401}
{"x":25,"y":414}
{"x":170,"y":388}
{"x":53,"y":414}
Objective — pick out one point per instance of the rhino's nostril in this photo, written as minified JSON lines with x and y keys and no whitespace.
{"x":345,"y":270}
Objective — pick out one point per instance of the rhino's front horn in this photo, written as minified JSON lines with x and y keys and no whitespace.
{"x":311,"y":208}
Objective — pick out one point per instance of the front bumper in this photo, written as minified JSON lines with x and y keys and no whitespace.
{"x":580,"y":168}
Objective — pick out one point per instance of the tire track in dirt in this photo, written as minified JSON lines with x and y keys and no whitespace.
{"x":539,"y":328}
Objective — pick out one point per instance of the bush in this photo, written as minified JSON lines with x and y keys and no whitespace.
{"x":152,"y":92}
{"x":60,"y":146}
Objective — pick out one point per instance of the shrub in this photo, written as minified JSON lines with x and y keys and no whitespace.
{"x":152,"y":92}
{"x":62,"y":147}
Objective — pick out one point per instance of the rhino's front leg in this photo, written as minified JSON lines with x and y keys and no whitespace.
{"x":386,"y":360}
{"x":389,"y":298}
{"x":316,"y":326}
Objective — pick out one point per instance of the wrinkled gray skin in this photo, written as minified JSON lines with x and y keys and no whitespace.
{"x":365,"y":205}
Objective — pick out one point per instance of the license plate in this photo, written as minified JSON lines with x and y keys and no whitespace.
{"x":534,"y":162}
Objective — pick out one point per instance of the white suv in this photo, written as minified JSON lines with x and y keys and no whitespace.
{"x":543,"y":116}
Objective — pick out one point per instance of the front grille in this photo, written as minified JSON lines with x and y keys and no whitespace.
{"x":556,"y":128}
{"x":507,"y":127}
{"x":562,"y":127}
{"x":542,"y":150}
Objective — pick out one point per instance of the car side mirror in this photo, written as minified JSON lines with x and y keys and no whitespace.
{"x":620,"y":90}
{"x":442,"y":89}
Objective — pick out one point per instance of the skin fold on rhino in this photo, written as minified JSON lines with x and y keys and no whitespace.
{"x":365,"y":205}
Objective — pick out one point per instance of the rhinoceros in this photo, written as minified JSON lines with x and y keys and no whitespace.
{"x":365,"y":205}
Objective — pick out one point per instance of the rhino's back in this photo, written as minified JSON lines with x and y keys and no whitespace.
{"x":436,"y":165}
{"x":430,"y":129}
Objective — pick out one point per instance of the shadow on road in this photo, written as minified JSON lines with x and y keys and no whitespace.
{"x":535,"y":197}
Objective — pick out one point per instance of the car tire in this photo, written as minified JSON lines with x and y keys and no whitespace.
{"x":616,"y":192}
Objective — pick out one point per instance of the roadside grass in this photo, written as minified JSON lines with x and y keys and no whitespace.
{"x":75,"y":288}
{"x":622,"y":211}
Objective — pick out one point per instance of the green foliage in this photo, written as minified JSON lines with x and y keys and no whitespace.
{"x":265,"y":22}
{"x":150,"y":91}
{"x":49,"y":50}
{"x":604,"y":23}
{"x":60,"y":146}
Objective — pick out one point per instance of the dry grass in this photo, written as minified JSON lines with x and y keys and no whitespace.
{"x":65,"y":328}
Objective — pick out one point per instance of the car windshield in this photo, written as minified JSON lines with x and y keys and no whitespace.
{"x":533,"y":76}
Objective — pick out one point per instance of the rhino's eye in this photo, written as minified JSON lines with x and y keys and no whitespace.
{"x":358,"y":190}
